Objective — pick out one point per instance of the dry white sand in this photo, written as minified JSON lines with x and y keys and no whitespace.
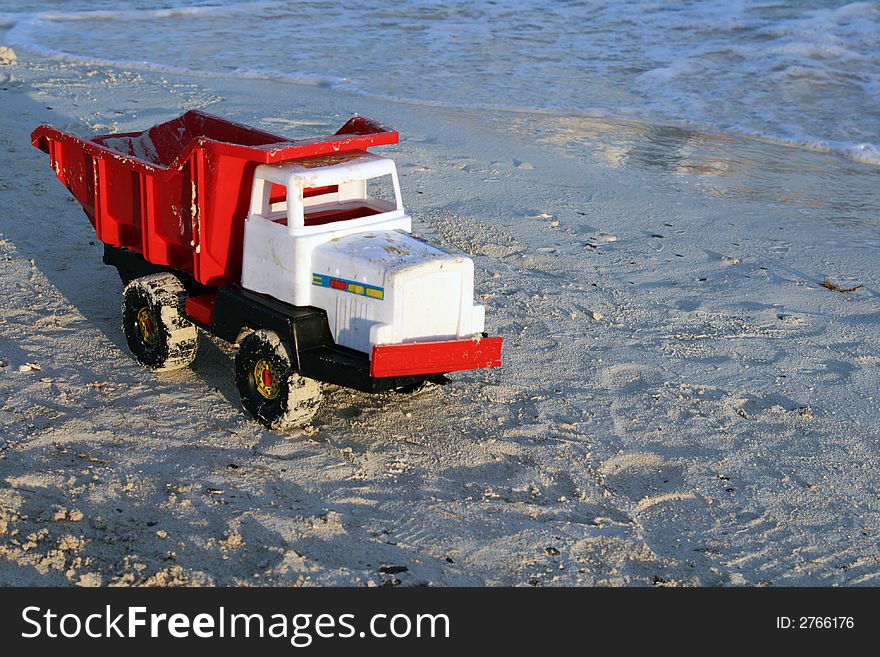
{"x":681,"y":402}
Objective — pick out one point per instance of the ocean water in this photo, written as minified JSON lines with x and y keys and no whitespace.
{"x":803,"y":73}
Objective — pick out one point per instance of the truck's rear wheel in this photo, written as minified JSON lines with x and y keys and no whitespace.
{"x":158,"y":333}
{"x":271,"y":391}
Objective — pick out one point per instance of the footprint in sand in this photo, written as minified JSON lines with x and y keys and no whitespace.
{"x":780,"y":248}
{"x":642,"y":476}
{"x":630,"y":377}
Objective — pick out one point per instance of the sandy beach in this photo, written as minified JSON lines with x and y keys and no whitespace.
{"x":681,"y":403}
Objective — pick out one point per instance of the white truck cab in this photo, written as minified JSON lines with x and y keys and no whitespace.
{"x":331,"y":232}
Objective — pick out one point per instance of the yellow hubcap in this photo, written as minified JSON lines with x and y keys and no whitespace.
{"x":147,"y":326}
{"x":266,"y":379}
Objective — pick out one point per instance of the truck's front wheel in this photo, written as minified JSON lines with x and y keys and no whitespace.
{"x":271,"y":391}
{"x":158,"y":333}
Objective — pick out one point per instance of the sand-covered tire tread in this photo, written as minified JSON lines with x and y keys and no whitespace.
{"x":298,"y":398}
{"x":176,"y":339}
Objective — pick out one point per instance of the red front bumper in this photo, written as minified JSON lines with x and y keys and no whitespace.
{"x":435,"y":357}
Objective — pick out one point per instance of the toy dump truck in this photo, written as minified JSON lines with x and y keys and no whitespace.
{"x":298,"y":252}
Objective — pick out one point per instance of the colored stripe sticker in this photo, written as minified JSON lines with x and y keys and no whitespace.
{"x":345,"y":285}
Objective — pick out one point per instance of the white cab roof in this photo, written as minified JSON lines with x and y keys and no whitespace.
{"x":327,"y":169}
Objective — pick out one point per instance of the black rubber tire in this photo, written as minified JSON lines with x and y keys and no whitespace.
{"x":156,"y":302}
{"x":294,"y":399}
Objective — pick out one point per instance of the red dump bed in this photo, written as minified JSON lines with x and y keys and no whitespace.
{"x":179,"y":192}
